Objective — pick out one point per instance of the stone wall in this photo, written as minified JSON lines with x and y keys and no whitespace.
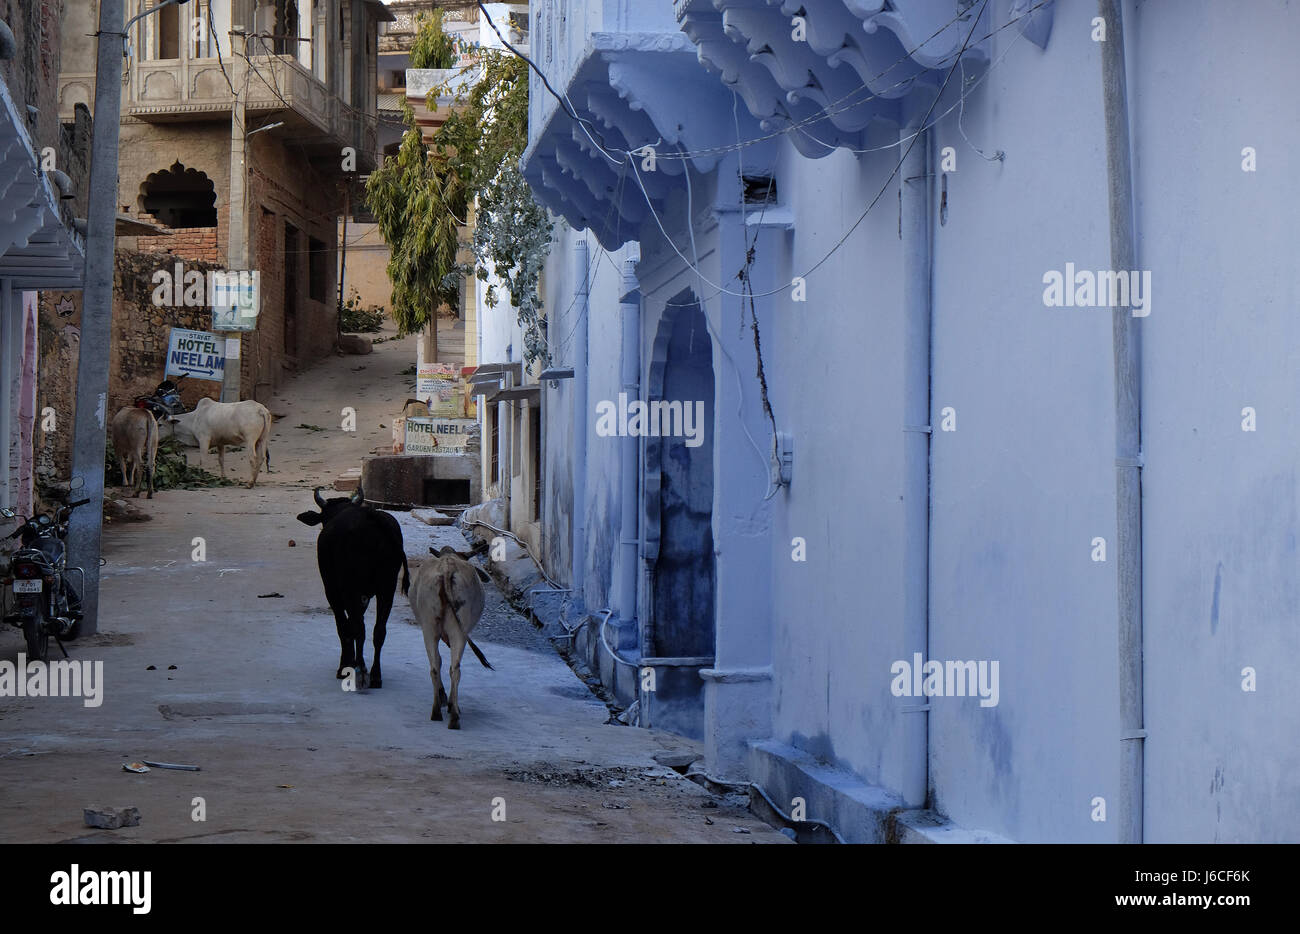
{"x":32,"y":75}
{"x":141,"y":330}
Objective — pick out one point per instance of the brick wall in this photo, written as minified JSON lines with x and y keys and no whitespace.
{"x":197,"y":243}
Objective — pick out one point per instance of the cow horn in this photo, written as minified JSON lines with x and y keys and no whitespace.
{"x":316,"y":495}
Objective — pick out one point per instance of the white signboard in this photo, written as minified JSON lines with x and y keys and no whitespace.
{"x":197,"y":353}
{"x":438,"y":435}
{"x":236,"y":299}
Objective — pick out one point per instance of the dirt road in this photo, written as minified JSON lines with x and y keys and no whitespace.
{"x":228,"y":664}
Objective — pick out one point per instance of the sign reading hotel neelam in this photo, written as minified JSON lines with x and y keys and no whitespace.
{"x":197,"y":353}
{"x":438,"y":435}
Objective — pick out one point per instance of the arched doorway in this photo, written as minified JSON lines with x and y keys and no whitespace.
{"x":679,"y":514}
{"x":180,"y":197}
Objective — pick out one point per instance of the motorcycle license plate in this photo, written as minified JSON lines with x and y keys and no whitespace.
{"x":22,"y":586}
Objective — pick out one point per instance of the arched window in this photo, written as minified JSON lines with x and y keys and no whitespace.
{"x":180,"y":197}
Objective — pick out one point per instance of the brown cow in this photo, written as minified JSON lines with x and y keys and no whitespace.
{"x":135,"y":439}
{"x":447,"y":599}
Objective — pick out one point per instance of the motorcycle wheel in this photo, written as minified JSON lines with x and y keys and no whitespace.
{"x":38,"y":639}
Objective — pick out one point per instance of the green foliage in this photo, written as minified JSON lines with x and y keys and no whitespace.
{"x":170,"y":472}
{"x":353,"y":319}
{"x":418,"y":202}
{"x":433,"y":48}
{"x":421,"y":198}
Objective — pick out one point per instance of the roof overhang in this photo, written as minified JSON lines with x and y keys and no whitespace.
{"x":633,"y":90}
{"x":514,"y":393}
{"x":379,"y":12}
{"x":37,"y":249}
{"x":856,"y":63}
{"x":128,"y":226}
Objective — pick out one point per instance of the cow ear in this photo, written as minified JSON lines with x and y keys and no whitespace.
{"x":309,"y":518}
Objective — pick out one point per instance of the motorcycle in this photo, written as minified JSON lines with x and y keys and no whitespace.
{"x":39,"y":599}
{"x":165,"y":400}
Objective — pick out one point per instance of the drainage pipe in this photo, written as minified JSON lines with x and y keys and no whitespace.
{"x":1128,"y":429}
{"x":914,"y":213}
{"x":580,"y":418}
{"x":629,"y":537}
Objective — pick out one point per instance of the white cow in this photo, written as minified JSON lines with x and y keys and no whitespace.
{"x":222,"y":424}
{"x":447,"y":599}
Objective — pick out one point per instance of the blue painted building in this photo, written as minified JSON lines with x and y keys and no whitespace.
{"x":877,"y":199}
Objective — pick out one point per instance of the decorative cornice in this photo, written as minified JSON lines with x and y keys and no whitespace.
{"x":630,"y":88}
{"x":853,"y":63}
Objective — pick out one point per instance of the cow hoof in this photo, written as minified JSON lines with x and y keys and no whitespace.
{"x":437,"y":713}
{"x":339,"y":674}
{"x":376,"y":682}
{"x":453,"y":723}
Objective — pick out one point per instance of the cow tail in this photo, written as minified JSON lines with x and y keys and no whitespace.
{"x":266,"y":439}
{"x":445,"y":598}
{"x":406,"y":575}
{"x":481,"y":659}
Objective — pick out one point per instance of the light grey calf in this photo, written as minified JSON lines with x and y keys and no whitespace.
{"x":447,"y":598}
{"x":135,"y":439}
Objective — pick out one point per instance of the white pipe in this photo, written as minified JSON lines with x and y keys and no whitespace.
{"x":580,"y":419}
{"x":1128,"y":431}
{"x":914,"y":207}
{"x":625,"y":585}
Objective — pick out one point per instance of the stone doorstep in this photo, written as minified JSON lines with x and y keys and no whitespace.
{"x":347,"y":481}
{"x":859,"y":812}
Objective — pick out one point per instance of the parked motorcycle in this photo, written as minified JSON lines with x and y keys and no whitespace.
{"x":165,"y":400}
{"x":39,"y":599}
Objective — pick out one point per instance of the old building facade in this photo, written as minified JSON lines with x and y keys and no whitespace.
{"x":927,"y":471}
{"x":42,"y":192}
{"x":242,"y":123}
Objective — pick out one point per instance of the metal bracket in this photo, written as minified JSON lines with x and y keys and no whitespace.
{"x":924,"y":429}
{"x":1133,"y":734}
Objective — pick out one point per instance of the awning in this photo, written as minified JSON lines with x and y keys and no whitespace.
{"x":514,"y":393}
{"x":128,"y":226}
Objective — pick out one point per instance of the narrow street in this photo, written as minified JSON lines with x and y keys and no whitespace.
{"x":228,"y":664}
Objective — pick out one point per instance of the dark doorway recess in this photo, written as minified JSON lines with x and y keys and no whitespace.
{"x":684,"y":569}
{"x":292,"y":248}
{"x":180,"y":197}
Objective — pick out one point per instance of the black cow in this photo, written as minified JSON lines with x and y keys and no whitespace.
{"x":359,"y":552}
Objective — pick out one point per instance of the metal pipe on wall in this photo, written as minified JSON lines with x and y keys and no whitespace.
{"x":1128,"y":429}
{"x":630,"y":368}
{"x":582,"y":300}
{"x":914,"y":210}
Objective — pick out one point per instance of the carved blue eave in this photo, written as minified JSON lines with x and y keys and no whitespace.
{"x":635,"y":89}
{"x":856,"y":62}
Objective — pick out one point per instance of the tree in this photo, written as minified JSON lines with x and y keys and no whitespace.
{"x":422,"y":196}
